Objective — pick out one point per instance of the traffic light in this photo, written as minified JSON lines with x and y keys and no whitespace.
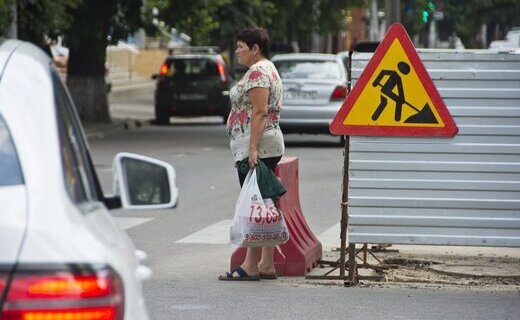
{"x":425,"y":15}
{"x":430,"y":8}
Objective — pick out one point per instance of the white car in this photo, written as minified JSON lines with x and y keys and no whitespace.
{"x":61,"y":254}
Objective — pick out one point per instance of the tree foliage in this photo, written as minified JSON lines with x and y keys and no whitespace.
{"x":463,"y":18}
{"x":89,"y":25}
{"x":216,"y":22}
{"x":411,"y":16}
{"x":37,"y":20}
{"x":466,"y":17}
{"x":5,"y":14}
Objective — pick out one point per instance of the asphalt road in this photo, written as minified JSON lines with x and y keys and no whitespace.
{"x":186,"y":253}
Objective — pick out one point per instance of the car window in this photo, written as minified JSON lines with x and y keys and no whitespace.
{"x":311,"y":69}
{"x":78,"y":174}
{"x":10,"y":170}
{"x":192,"y":67}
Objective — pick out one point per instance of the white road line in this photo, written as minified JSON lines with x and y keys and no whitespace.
{"x":217,"y":233}
{"x":127,"y":223}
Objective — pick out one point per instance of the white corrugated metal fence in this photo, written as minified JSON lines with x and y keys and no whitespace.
{"x":463,"y":190}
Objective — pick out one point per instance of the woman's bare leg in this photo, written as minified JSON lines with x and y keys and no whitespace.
{"x":250,"y":264}
{"x":266,"y":264}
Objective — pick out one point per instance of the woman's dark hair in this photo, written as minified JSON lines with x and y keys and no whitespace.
{"x":258,"y":36}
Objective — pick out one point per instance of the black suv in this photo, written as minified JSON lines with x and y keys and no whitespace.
{"x":192,"y":84}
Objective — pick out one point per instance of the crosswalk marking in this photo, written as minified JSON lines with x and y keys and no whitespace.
{"x":217,"y":233}
{"x":126,"y":223}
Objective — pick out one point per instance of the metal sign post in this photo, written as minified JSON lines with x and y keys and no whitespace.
{"x":343,"y":263}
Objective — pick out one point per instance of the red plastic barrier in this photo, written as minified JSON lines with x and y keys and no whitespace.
{"x":303,"y":250}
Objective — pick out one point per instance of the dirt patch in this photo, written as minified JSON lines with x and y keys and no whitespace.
{"x":425,"y":270}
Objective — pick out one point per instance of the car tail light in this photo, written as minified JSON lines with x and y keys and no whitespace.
{"x":221,"y":71}
{"x":164,"y":69}
{"x":339,"y":93}
{"x":66,"y":294}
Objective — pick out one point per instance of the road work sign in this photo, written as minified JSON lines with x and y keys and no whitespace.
{"x":394,"y":95}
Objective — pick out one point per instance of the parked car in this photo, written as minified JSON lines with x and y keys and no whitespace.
{"x":314,"y":90}
{"x":192,"y":84}
{"x":61,"y":254}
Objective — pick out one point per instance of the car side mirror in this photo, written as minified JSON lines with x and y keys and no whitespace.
{"x":144,"y":183}
{"x":154,"y":76}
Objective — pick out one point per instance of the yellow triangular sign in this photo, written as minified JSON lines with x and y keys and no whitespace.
{"x":394,"y":95}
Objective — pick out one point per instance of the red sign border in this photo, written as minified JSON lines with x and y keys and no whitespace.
{"x":396,"y":30}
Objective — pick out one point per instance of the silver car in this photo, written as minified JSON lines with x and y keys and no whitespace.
{"x":314,"y":90}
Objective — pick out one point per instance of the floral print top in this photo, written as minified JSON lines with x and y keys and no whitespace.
{"x":262,"y":74}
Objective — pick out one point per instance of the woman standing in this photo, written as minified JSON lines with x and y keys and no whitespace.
{"x":254,"y":131}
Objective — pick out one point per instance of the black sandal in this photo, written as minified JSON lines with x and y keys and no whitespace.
{"x":242,"y":276}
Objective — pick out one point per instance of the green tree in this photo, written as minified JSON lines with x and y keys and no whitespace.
{"x":87,"y":25}
{"x":94,"y":22}
{"x":5,"y":14}
{"x":412,"y":18}
{"x":298,"y":20}
{"x":37,"y":20}
{"x":215,"y":22}
{"x":195,"y":18}
{"x":463,"y":18}
{"x":466,"y":17}
{"x":234,"y":15}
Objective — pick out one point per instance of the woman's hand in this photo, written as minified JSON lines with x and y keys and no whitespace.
{"x":253,"y":158}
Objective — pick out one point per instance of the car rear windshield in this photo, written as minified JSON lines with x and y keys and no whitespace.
{"x":10,"y":171}
{"x":308,"y":69}
{"x":192,"y":67}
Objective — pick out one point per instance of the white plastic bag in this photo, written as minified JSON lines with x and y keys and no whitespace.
{"x":257,"y":222}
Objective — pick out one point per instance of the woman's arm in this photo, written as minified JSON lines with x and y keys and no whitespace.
{"x":258,"y":97}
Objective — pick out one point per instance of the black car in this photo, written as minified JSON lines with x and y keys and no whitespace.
{"x":192,"y":85}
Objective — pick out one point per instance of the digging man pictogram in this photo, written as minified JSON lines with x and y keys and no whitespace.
{"x":388,"y":88}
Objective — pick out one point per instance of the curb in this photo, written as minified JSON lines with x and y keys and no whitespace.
{"x":99,"y":130}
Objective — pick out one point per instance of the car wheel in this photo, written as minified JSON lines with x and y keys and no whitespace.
{"x":162,"y":117}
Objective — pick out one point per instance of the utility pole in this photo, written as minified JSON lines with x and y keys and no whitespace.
{"x":374,"y":25}
{"x":12,"y":30}
{"x":432,"y":34}
{"x":392,"y":12}
{"x":316,"y":39}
